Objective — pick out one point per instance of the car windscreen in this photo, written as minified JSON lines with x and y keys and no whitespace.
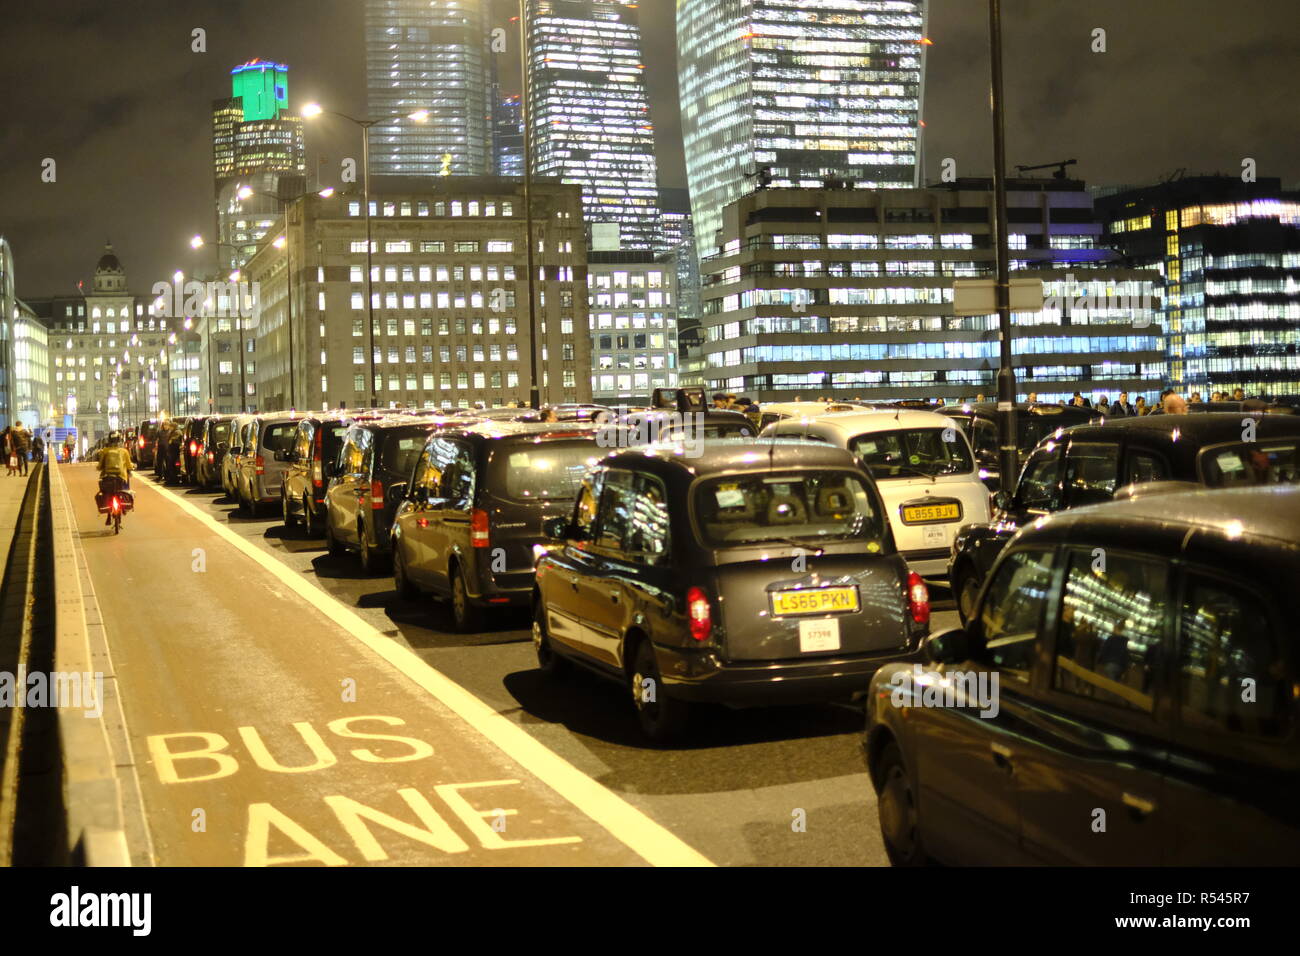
{"x":1265,"y":461}
{"x":1032,"y":429}
{"x":541,"y":470}
{"x":399,"y":449}
{"x":149,"y":429}
{"x":813,"y":506}
{"x":220,"y":432}
{"x":912,"y":452}
{"x":279,"y":436}
{"x":689,"y":432}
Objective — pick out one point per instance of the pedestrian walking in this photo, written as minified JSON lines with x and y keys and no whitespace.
{"x":10,"y":452}
{"x":22,"y":446}
{"x":38,"y":447}
{"x":1140,"y":407}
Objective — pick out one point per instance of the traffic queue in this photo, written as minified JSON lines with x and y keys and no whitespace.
{"x":1114,"y":603}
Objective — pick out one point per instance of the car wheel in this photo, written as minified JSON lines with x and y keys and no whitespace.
{"x":966,"y":590}
{"x":372,"y":559}
{"x":333,"y":544}
{"x":465,"y":615}
{"x":548,"y":661}
{"x":405,"y":589}
{"x":899,"y":820}
{"x":662,"y":716}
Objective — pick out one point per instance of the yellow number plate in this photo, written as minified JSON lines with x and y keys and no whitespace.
{"x":815,"y":601}
{"x":919,"y":514}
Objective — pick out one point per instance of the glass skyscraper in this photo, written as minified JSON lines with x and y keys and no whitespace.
{"x":429,"y":55}
{"x":255,"y":141}
{"x":590,"y":115}
{"x":796,"y":93}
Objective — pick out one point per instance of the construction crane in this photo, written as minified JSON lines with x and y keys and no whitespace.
{"x":1059,"y":167}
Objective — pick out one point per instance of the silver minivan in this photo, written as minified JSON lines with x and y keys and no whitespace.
{"x":264,"y":462}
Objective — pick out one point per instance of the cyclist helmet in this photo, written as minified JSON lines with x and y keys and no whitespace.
{"x":115,"y":438}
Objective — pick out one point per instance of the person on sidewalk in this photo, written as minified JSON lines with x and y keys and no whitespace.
{"x":10,"y":451}
{"x":22,"y":445}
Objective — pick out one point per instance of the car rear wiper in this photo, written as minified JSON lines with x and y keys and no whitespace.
{"x":794,"y":543}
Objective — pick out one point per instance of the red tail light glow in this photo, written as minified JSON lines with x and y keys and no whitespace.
{"x":115,"y":504}
{"x":141,"y":441}
{"x":700,"y":613}
{"x":194,"y":449}
{"x":259,"y":464}
{"x":376,"y":495}
{"x":478,"y":528}
{"x":918,"y":598}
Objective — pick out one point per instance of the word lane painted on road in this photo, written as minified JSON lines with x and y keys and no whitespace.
{"x":200,"y":756}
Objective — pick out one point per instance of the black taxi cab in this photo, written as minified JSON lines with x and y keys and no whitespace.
{"x":745,"y":575}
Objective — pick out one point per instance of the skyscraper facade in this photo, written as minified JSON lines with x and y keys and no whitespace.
{"x":508,"y":135}
{"x":590,"y":115}
{"x":255,"y":141}
{"x":795,"y":93}
{"x":429,"y":55}
{"x":1228,"y":254}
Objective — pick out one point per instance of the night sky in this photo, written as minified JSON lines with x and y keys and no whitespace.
{"x":114,"y":94}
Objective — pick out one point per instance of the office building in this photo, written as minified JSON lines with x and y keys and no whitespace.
{"x":797,"y":93}
{"x":679,"y":242}
{"x":632,"y":302}
{"x":429,"y":55}
{"x":1228,"y":254}
{"x":449,"y":296}
{"x":849,"y":293}
{"x":590,"y":116}
{"x":256,"y":140}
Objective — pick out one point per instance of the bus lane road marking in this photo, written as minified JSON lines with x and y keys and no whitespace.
{"x":650,"y":840}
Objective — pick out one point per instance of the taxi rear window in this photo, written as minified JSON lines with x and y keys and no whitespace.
{"x":543,"y":471}
{"x":812,"y":506}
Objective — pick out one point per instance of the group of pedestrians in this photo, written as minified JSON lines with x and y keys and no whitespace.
{"x":1169,"y":402}
{"x":18,"y":448}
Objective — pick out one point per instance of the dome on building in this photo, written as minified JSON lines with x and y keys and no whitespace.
{"x":108,"y":262}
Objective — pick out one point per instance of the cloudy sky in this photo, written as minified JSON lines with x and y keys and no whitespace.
{"x":115,"y":95}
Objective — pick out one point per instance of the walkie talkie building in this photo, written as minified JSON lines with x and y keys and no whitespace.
{"x":796,"y":93}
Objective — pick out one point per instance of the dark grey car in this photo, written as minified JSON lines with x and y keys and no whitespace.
{"x":741,"y":576}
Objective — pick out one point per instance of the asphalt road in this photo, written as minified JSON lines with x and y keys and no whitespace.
{"x":233,"y":647}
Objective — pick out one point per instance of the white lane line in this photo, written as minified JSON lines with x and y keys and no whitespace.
{"x":652,"y":842}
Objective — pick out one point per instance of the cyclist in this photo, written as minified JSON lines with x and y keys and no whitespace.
{"x":115,"y":467}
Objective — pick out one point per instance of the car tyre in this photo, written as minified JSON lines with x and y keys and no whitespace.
{"x":332,"y":544}
{"x":550,"y":663}
{"x":372,"y":559}
{"x":401,"y":582}
{"x":467,"y":618}
{"x":897,"y":809}
{"x":664,"y":718}
{"x":965,"y":591}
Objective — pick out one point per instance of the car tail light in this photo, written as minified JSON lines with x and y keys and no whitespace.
{"x":141,"y":441}
{"x":259,"y":464}
{"x":211,"y":458}
{"x":700,"y":613}
{"x":376,"y":495}
{"x":478,"y":528}
{"x":194,"y":449}
{"x":918,"y":598}
{"x":317,"y":465}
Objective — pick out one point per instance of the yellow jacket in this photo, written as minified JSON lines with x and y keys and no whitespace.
{"x":115,"y":461}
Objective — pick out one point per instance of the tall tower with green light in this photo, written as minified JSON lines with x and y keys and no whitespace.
{"x":256,"y":140}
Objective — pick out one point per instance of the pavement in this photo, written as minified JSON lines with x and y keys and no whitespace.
{"x":283,"y":707}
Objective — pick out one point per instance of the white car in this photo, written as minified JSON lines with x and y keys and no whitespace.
{"x":923,"y":466}
{"x":780,"y":411}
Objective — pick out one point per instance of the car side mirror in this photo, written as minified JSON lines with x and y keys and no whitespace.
{"x":557,"y":529}
{"x":281,"y":455}
{"x":397,"y":490}
{"x":223,"y":446}
{"x":1003,"y":500}
{"x":948,"y":647}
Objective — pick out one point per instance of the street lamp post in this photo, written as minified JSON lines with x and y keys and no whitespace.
{"x":312,"y":109}
{"x":195,"y":243}
{"x":534,"y":392}
{"x":1008,"y":463}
